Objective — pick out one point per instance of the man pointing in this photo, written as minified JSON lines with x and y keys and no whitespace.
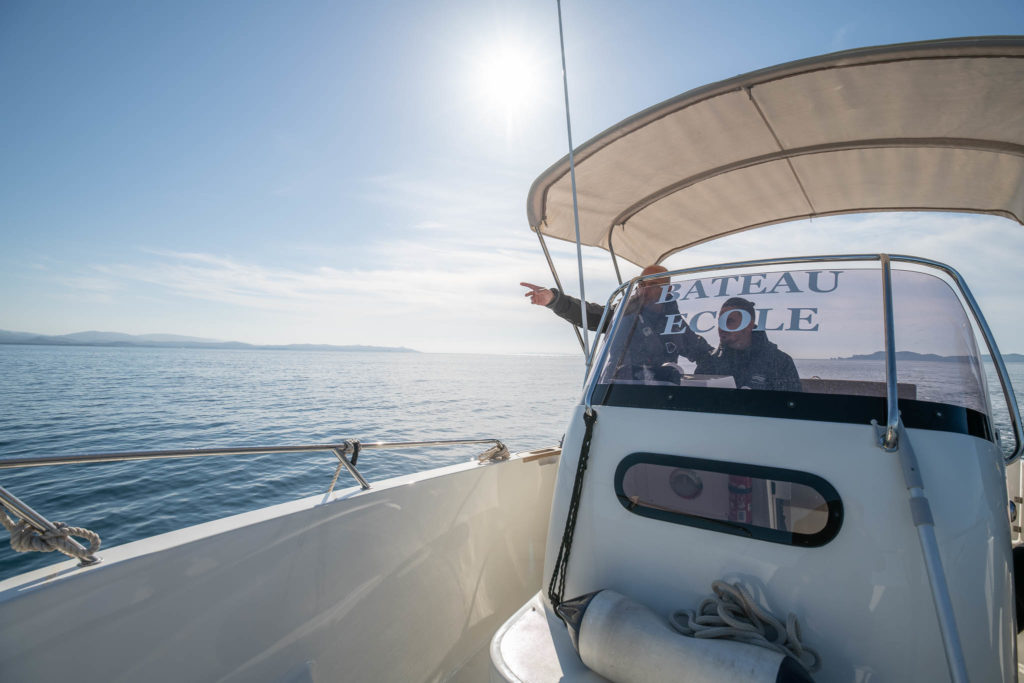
{"x":644,"y":352}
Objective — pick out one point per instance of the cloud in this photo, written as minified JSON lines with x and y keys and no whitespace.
{"x":429,"y":225}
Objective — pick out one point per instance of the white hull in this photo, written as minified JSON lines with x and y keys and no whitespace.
{"x":407,"y":581}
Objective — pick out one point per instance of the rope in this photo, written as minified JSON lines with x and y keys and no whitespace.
{"x":556,"y":589}
{"x":732,"y":614}
{"x":25,"y":538}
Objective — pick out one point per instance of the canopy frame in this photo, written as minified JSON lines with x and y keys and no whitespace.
{"x":940,"y":55}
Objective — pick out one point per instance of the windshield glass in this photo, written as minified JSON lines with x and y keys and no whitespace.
{"x":814,"y":331}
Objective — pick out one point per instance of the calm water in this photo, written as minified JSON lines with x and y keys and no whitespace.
{"x":59,"y":400}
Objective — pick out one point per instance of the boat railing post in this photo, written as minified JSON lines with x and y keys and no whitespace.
{"x":895,"y":439}
{"x":611,"y":250}
{"x":343,"y":461}
{"x":890,"y":440}
{"x":588,"y":395}
{"x":601,"y":326}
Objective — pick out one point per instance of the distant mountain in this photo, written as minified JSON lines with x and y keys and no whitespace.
{"x":94,"y":338}
{"x":911,"y":355}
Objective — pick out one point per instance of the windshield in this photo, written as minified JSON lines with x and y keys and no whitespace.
{"x":815,"y":331}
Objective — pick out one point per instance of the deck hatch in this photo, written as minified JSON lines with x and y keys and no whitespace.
{"x":766,"y":503}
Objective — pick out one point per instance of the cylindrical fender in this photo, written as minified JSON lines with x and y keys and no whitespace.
{"x":625,"y":642}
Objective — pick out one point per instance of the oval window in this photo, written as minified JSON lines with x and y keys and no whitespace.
{"x":766,"y":503}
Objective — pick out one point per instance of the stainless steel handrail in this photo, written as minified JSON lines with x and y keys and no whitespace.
{"x":588,"y":394}
{"x":13,"y":463}
{"x":890,"y":441}
{"x":497,"y":451}
{"x":891,"y":389}
{"x":597,"y":337}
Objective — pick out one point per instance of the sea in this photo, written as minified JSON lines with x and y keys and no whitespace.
{"x":59,"y":400}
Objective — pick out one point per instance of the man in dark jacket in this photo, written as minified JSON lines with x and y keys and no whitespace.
{"x":746,"y":354}
{"x":641,"y":351}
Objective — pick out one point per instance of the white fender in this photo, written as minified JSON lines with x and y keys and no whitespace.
{"x":625,"y":642}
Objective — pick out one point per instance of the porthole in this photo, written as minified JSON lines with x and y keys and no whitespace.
{"x":765,"y":503}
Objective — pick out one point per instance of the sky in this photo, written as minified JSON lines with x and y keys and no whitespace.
{"x":356,"y":173}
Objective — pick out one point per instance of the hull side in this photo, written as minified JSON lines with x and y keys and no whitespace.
{"x":406,"y":581}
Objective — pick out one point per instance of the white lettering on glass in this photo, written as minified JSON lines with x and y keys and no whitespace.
{"x":723,"y":321}
{"x":762,"y":321}
{"x":695,"y":327}
{"x":674,"y":323}
{"x":696,"y":288}
{"x":812,"y":281}
{"x":748,"y":284}
{"x":795,"y":318}
{"x":723,"y":290}
{"x":669,"y":293}
{"x":787,"y":280}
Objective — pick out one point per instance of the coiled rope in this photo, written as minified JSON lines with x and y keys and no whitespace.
{"x":24,"y":538}
{"x":733,"y":614}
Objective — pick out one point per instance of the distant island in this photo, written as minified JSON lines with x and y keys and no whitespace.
{"x":172,"y":341}
{"x":911,"y":355}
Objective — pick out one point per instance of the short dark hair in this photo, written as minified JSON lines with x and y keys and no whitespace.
{"x":738,"y":302}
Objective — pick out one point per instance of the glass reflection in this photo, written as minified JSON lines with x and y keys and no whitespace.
{"x":763,"y":503}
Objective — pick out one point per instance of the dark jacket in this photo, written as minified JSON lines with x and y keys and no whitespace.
{"x":762,"y":366}
{"x":568,"y":307}
{"x":640,"y":350}
{"x":643,"y":350}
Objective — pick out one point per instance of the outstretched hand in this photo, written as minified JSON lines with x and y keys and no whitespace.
{"x":539,"y":296}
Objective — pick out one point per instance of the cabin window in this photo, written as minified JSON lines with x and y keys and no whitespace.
{"x":799,"y":343}
{"x":766,"y":503}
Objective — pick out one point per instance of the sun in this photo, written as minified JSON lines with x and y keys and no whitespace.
{"x":507,"y":81}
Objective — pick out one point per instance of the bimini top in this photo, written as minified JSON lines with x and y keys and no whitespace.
{"x":929,"y":126}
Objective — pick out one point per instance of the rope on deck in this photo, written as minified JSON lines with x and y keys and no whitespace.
{"x":24,"y":538}
{"x":733,"y":614}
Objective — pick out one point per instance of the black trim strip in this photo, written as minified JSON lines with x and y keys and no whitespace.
{"x":795,"y":405}
{"x":822,"y":487}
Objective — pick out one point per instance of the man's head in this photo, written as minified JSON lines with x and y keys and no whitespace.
{"x":651,"y":289}
{"x":736,"y":323}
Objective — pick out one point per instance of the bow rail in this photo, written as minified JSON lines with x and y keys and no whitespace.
{"x":347,"y":453}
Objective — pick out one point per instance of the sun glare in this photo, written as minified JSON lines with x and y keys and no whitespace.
{"x":507,"y":80}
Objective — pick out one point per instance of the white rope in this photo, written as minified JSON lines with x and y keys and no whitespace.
{"x":24,"y":538}
{"x":732,"y":613}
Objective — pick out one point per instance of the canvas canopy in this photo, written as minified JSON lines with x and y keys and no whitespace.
{"x":929,"y":126}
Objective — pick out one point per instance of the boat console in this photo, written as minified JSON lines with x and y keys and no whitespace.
{"x":738,"y":429}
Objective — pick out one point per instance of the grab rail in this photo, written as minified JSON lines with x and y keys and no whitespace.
{"x":498,"y":451}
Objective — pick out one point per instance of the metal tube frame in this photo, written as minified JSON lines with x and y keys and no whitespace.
{"x":615,"y":260}
{"x":890,"y":441}
{"x":558,"y":282}
{"x":592,"y":369}
{"x":891,"y":386}
{"x":78,"y":459}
